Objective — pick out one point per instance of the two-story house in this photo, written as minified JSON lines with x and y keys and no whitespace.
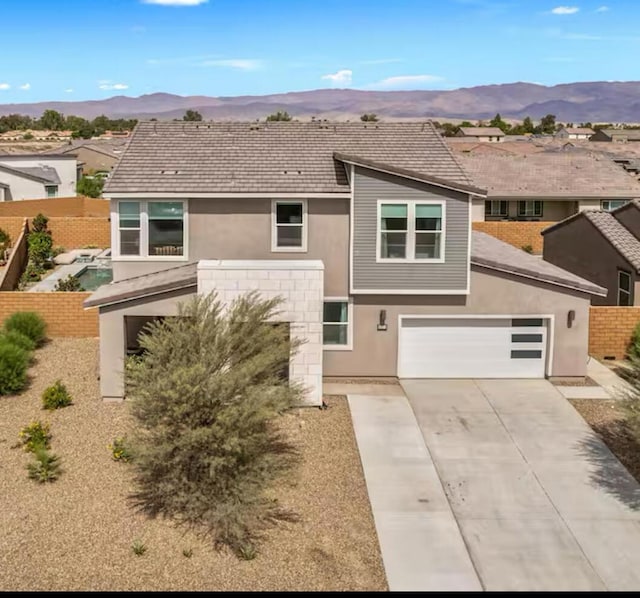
{"x":364,"y":230}
{"x":36,"y":176}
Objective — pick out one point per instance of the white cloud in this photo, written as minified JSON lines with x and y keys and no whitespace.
{"x":564,"y":10}
{"x":602,"y":9}
{"x":341,"y":77}
{"x":242,"y":64}
{"x":176,"y":2}
{"x":107,"y":85}
{"x":4,"y":86}
{"x":405,"y":81}
{"x":26,"y":87}
{"x":68,"y":90}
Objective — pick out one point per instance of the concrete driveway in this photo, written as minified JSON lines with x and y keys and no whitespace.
{"x":509,"y":490}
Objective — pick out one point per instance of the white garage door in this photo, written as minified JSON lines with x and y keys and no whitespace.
{"x":472,"y":348}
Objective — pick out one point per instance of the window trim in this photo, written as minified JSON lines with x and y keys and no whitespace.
{"x":349,"y":345}
{"x":621,"y":290}
{"x":411,"y":231}
{"x":610,"y":201}
{"x":500,"y":202}
{"x":523,"y":203}
{"x":144,"y":232}
{"x":274,"y":226}
{"x":46,"y":192}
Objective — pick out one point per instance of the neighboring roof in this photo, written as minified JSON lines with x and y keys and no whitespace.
{"x":611,"y":229}
{"x":489,"y":252}
{"x":37,"y":156}
{"x":482,"y":131}
{"x":41,"y":174}
{"x":406,"y":173}
{"x":632,"y":134}
{"x":578,"y":130}
{"x":278,"y":157}
{"x":4,"y":185}
{"x":109,"y":147}
{"x":558,"y":174}
{"x":128,"y":289}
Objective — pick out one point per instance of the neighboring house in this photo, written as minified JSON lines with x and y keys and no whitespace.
{"x":364,"y":230}
{"x":93,"y":154}
{"x":547,"y":186}
{"x":616,"y":135}
{"x":574,"y":133}
{"x":491,"y":134}
{"x":36,"y":135}
{"x":35,"y":176}
{"x":603,"y":247}
{"x":114,"y":135}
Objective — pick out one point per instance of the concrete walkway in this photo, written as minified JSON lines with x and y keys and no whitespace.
{"x":541,"y":502}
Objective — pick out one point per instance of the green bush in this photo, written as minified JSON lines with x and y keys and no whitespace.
{"x":13,"y":367}
{"x":56,"y":396}
{"x":5,"y":239}
{"x":40,"y":246}
{"x":19,"y":340}
{"x":39,"y":223}
{"x":45,"y":468}
{"x":35,"y":435}
{"x":32,"y":273}
{"x":68,"y":284}
{"x":28,"y":323}
{"x":634,"y":347}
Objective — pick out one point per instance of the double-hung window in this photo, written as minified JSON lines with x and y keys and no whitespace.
{"x":530,"y":209}
{"x":410,"y":231}
{"x":151,"y":228}
{"x":624,"y":288}
{"x":496,"y":208}
{"x":611,"y":204}
{"x":289,"y":225}
{"x":335,"y":324}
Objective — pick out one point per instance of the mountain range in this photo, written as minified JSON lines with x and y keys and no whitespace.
{"x":598,"y":101}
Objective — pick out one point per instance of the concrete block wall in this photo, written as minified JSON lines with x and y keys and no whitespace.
{"x":610,"y":330}
{"x":57,"y":206}
{"x":300,"y":283}
{"x":518,"y":234}
{"x":69,"y":232}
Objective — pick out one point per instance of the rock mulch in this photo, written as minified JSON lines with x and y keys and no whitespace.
{"x":77,"y":533}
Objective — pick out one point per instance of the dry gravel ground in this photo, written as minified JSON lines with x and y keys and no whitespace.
{"x":607,"y":420}
{"x":76,"y":533}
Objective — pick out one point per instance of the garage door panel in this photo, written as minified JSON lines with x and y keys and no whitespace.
{"x":470,"y":348}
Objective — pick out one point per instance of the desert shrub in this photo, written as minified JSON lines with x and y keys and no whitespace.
{"x":56,"y":396}
{"x":45,"y":467}
{"x":119,"y":450}
{"x":138,"y":547}
{"x":5,"y":240}
{"x":35,"y":435}
{"x":527,"y":248}
{"x":206,"y":395}
{"x":14,"y":362}
{"x":40,"y":223}
{"x":32,"y":273}
{"x":40,"y":246}
{"x":634,"y":347}
{"x":68,"y":284}
{"x":19,"y":340}
{"x":28,"y":323}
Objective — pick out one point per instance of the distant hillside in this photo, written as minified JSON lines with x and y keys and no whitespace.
{"x":575,"y":102}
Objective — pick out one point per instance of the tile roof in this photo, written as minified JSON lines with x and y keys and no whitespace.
{"x":489,"y":252}
{"x":578,"y":130}
{"x":630,"y":134}
{"x":147,"y":284}
{"x":557,"y":174}
{"x":482,"y":131}
{"x":109,"y":147}
{"x":279,"y":157}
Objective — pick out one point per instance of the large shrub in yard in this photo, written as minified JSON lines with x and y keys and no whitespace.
{"x":19,"y":339}
{"x":28,"y":323}
{"x":40,"y":248}
{"x":13,"y":367}
{"x":206,"y":395}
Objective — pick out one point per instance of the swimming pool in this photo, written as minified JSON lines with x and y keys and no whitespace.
{"x":94,"y":276}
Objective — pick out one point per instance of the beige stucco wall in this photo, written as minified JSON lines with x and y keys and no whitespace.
{"x":375,"y":353}
{"x":588,"y":204}
{"x":240,"y":229}
{"x":552,"y":211}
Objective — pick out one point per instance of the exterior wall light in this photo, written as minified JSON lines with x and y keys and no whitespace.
{"x":382,"y":320}
{"x":571,"y":316}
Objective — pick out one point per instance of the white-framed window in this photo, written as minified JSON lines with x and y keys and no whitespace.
{"x":410,"y":231}
{"x":337,"y":323}
{"x":155,"y":229}
{"x":289,"y":225}
{"x":611,"y":204}
{"x":493,"y":207}
{"x":51,"y":190}
{"x":530,"y":209}
{"x":624,"y":289}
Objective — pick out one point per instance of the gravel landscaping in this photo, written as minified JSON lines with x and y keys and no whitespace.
{"x":607,"y":420}
{"x":77,"y":533}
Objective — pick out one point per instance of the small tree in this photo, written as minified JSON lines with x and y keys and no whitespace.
{"x":368,"y":118}
{"x":90,"y":186}
{"x":69,"y":284}
{"x":206,"y":394}
{"x":497,"y":121}
{"x":279,"y":116}
{"x":192,"y":115}
{"x":40,"y":223}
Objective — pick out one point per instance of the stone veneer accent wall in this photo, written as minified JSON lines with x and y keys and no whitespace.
{"x":300,"y":283}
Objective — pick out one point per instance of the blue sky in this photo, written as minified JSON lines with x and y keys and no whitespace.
{"x":88,"y":49}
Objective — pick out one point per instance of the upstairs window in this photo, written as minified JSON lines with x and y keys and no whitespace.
{"x":129,"y":225}
{"x":530,"y":209}
{"x":289,"y":232}
{"x":166,"y":228}
{"x":410,"y":231}
{"x":624,"y":288}
{"x":51,"y":190}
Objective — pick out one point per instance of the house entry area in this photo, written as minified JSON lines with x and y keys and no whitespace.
{"x":473,"y":347}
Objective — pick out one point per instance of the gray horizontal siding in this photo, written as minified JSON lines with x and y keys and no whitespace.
{"x":369,"y":187}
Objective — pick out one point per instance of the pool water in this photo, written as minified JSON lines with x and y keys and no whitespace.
{"x":93,"y":277}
